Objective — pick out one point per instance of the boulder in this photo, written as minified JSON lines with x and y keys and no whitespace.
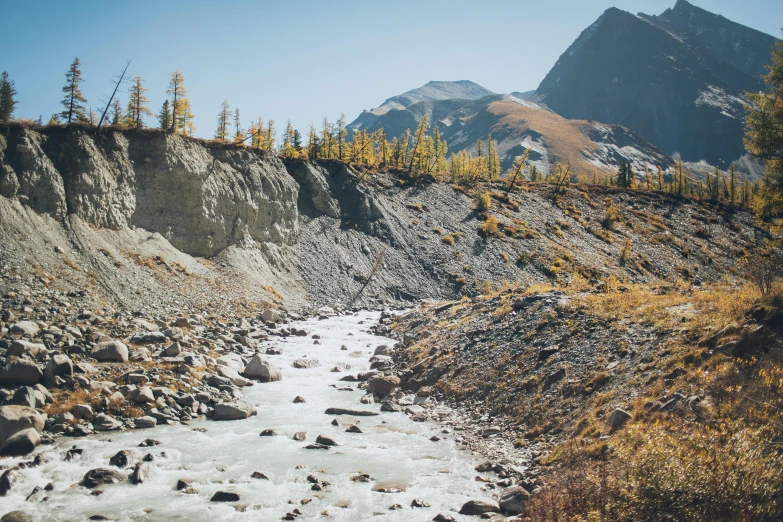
{"x":225,"y":496}
{"x":513,"y":499}
{"x":326,"y":441}
{"x":147,"y":337}
{"x":20,"y":443}
{"x":231,"y":360}
{"x":305,"y":363}
{"x":121,"y":459}
{"x":270,"y":316}
{"x":346,"y":411}
{"x":100,"y":476}
{"x":618,"y":418}
{"x":232,"y":375}
{"x":141,"y":472}
{"x":7,"y":479}
{"x":145,"y":422}
{"x":479,"y":507}
{"x":384,"y":349}
{"x":34,"y":350}
{"x":59,"y":365}
{"x":20,"y":372}
{"x":103,"y":422}
{"x":235,"y":410}
{"x":110,"y":351}
{"x":25,"y":396}
{"x":16,"y":516}
{"x":24,"y":328}
{"x":82,"y":411}
{"x":259,"y":368}
{"x":382,"y":385}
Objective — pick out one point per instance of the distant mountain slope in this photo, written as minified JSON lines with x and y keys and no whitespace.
{"x":517,"y":124}
{"x":677,"y":79}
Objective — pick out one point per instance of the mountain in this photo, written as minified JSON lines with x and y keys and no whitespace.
{"x":516,"y":123}
{"x":677,"y":79}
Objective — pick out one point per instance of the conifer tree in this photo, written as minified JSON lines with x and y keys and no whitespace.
{"x":733,"y":181}
{"x":421,"y":131}
{"x":117,"y":118}
{"x":164,"y":116}
{"x":764,"y":135}
{"x":74,"y":100}
{"x":7,"y":101}
{"x":340,"y":134}
{"x":269,"y":140}
{"x":313,"y":143}
{"x":178,"y":97}
{"x":184,"y":118}
{"x":238,"y":137}
{"x":137,"y":104}
{"x":223,"y":119}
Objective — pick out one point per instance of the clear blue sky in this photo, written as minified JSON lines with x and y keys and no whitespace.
{"x":302,"y":60}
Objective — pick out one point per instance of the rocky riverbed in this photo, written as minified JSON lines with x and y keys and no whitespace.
{"x":316,"y":426}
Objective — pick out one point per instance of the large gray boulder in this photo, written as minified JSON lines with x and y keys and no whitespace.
{"x":59,"y":365}
{"x":618,"y":418}
{"x":270,"y":316}
{"x":479,"y":507}
{"x":110,"y":351}
{"x":14,"y":419}
{"x":20,"y":443}
{"x":305,"y":363}
{"x":148,"y":337}
{"x":24,"y":328}
{"x":513,"y":499}
{"x":233,"y":410}
{"x":103,"y":422}
{"x":261,"y":369}
{"x":20,"y":372}
{"x":100,"y":476}
{"x":20,"y":348}
{"x":382,"y":385}
{"x":232,"y":375}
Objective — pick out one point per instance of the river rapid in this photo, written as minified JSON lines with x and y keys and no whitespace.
{"x":394,"y":451}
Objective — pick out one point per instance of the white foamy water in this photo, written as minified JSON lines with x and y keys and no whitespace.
{"x":393,"y":450}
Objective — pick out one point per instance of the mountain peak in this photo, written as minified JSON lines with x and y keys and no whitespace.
{"x":441,"y":90}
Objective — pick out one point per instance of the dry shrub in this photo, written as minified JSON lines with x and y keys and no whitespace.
{"x":763,"y":268}
{"x":489,"y":228}
{"x":448,"y":239}
{"x":483,"y":202}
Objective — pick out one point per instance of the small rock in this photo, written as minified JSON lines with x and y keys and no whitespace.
{"x":618,"y":418}
{"x":479,"y":507}
{"x":100,"y":476}
{"x":121,"y":458}
{"x":326,"y":441}
{"x":110,"y":351}
{"x":225,"y":496}
{"x":299,"y":400}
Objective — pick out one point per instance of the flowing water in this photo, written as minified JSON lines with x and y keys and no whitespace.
{"x":395,"y":451}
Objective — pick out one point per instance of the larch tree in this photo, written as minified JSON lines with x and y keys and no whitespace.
{"x":269,"y":138}
{"x":74,"y":100}
{"x":764,"y":136}
{"x":7,"y":94}
{"x":178,"y":95}
{"x":137,"y":104}
{"x":223,"y":119}
{"x":340,"y":133}
{"x":184,"y":118}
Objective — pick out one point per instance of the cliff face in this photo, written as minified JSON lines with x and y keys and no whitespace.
{"x":142,"y":217}
{"x":201,"y":197}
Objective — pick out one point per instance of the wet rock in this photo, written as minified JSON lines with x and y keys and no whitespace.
{"x":259,"y":475}
{"x":479,"y":507}
{"x":442,"y":517}
{"x":110,"y":351}
{"x":121,"y":459}
{"x":269,"y":432}
{"x":418,"y":503}
{"x":20,"y":443}
{"x":382,"y":385}
{"x":20,"y":372}
{"x":141,"y":472}
{"x":354,"y":429}
{"x":14,"y":419}
{"x":16,"y":516}
{"x":259,"y":368}
{"x":347,"y":411}
{"x":145,"y":422}
{"x":317,"y":446}
{"x":299,"y":400}
{"x":618,"y":418}
{"x":326,"y":441}
{"x":184,"y":484}
{"x":7,"y":479}
{"x":513,"y":499}
{"x":239,"y":409}
{"x":300,"y":436}
{"x":225,"y":496}
{"x":384,"y":350}
{"x":103,"y":422}
{"x":100,"y":476}
{"x":305,"y":363}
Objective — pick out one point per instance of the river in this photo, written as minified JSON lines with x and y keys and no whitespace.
{"x":394,"y":451}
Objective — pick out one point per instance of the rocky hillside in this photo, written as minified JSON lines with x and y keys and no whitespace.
{"x":139,"y":215}
{"x":518,"y":124}
{"x":676,"y":79}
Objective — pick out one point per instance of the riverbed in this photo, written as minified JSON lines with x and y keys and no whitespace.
{"x":396,"y":452}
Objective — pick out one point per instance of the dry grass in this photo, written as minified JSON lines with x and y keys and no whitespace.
{"x":489,"y":228}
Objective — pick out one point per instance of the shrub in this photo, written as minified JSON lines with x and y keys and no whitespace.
{"x":763,"y":268}
{"x":625,"y":252}
{"x":610,"y":217}
{"x":483,"y":202}
{"x":490,"y":227}
{"x":448,"y":239}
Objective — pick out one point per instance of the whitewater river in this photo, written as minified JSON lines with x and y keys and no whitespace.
{"x":395,"y":451}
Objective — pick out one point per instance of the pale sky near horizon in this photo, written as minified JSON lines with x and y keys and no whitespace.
{"x":306,"y":60}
